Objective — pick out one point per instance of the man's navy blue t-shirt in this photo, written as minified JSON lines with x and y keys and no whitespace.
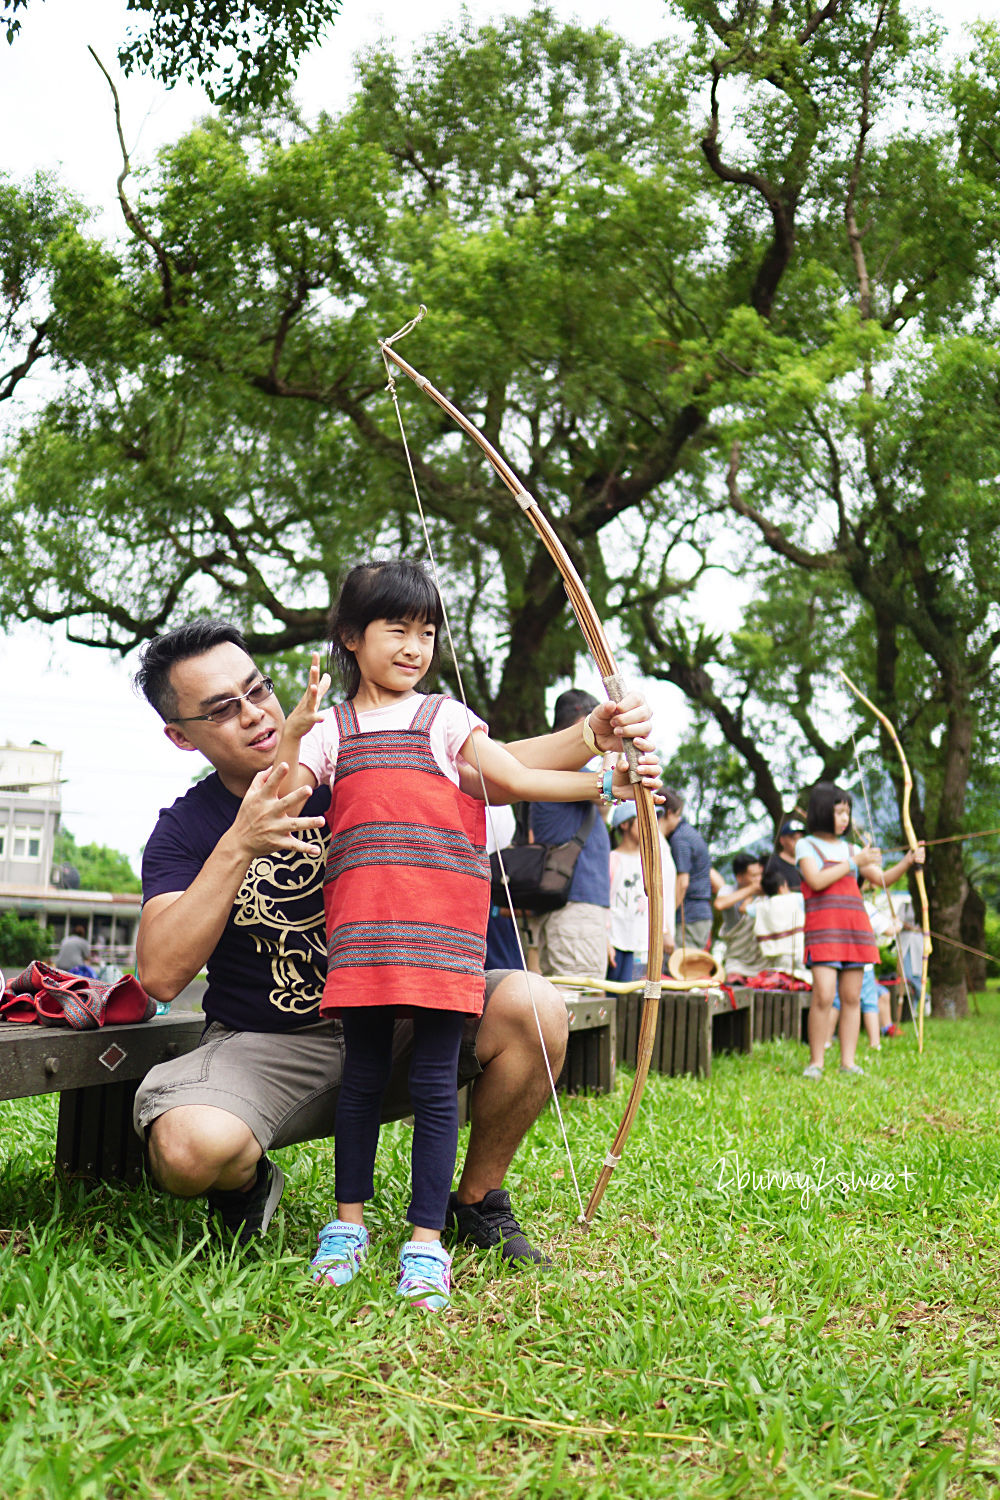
{"x":692,"y":858}
{"x":557,"y":823}
{"x":269,"y":966}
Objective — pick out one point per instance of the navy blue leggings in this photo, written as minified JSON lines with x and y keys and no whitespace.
{"x":437,"y":1035}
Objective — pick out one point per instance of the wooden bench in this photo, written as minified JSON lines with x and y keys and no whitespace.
{"x":778,"y":1013}
{"x":691,"y":1027}
{"x":95,"y":1074}
{"x":591,"y":1051}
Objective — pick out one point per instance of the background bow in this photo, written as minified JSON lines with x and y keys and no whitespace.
{"x":912,"y":841}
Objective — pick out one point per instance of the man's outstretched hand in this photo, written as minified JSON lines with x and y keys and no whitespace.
{"x":268,"y":821}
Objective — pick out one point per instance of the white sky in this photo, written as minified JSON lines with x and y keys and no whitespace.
{"x":55,"y":113}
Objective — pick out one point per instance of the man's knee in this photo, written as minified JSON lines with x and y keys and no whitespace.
{"x":520,"y":1004}
{"x":194,"y":1146}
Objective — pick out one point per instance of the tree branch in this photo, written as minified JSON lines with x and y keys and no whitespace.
{"x":135,"y":224}
{"x":17,"y":373}
{"x":850,"y":219}
{"x":772,"y":534}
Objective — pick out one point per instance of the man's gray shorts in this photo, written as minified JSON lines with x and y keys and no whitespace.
{"x":284,"y":1085}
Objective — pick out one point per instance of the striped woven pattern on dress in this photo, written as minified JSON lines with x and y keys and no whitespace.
{"x":418,"y":945}
{"x":837,"y":925}
{"x":404,"y":844}
{"x":838,"y":914}
{"x":402,"y":750}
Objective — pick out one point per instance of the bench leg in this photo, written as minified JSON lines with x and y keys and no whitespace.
{"x":95,"y":1139}
{"x":591,"y":1059}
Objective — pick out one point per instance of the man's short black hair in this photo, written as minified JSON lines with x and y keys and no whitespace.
{"x":163,"y":652}
{"x":672,"y":802}
{"x":743,"y":861}
{"x":572,"y":706}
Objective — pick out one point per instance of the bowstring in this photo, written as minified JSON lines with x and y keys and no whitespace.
{"x":885,"y":889}
{"x":391,"y":388}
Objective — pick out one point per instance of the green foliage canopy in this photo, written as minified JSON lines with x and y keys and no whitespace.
{"x":240,"y":54}
{"x":21,"y":941}
{"x":227,"y":441}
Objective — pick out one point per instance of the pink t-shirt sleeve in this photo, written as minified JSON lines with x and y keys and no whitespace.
{"x":318,"y":750}
{"x":449,"y":732}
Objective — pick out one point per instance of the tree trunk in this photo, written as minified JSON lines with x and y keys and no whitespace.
{"x":950,"y":887}
{"x":948,"y":894}
{"x":974,"y":936}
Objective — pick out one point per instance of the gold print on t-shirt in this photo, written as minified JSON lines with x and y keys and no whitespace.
{"x":281,"y":901}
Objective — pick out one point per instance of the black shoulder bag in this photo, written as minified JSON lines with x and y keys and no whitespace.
{"x":539,"y":875}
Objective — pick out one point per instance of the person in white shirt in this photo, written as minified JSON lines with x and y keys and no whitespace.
{"x":779,"y":923}
{"x":628,"y":913}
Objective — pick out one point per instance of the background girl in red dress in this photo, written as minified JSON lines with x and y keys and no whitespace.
{"x":839,"y":939}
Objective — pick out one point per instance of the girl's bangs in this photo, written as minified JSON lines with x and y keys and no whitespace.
{"x":402,"y":592}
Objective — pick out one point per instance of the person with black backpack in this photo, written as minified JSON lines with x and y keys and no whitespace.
{"x":573,"y":938}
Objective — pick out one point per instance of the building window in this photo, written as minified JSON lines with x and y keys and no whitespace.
{"x":27,"y":843}
{"x":3,"y":843}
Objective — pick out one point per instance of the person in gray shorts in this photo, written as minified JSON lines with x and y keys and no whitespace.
{"x":232,"y":879}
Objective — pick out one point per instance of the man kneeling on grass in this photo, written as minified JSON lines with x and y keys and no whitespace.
{"x":232,"y":880}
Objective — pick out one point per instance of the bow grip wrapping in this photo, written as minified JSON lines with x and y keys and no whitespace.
{"x":615,"y":687}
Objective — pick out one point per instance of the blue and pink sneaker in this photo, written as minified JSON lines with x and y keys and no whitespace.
{"x":425,"y":1274}
{"x":340,"y":1254}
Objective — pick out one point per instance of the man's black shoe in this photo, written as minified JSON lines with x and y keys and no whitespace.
{"x":491,"y":1223}
{"x":245,"y":1216}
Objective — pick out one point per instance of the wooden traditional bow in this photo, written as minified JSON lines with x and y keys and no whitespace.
{"x":614,"y":683}
{"x":911,"y":843}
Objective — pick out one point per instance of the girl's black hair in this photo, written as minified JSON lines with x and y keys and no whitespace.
{"x":393,"y":590}
{"x":823,"y":798}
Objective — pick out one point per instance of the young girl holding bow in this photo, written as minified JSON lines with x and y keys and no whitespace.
{"x":407,"y":893}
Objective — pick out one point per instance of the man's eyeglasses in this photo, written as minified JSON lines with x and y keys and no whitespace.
{"x":259,"y":693}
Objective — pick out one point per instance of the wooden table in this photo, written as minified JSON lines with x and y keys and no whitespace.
{"x":779,"y":1013}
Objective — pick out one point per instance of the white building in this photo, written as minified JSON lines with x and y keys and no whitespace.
{"x":30,"y":799}
{"x":30,"y":802}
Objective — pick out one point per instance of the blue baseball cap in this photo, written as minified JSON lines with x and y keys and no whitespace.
{"x":623,"y":813}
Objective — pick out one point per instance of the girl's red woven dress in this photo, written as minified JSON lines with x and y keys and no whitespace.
{"x":837,"y":925}
{"x":407,"y":887}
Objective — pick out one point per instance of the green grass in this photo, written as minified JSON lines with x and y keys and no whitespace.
{"x":701,"y":1340}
